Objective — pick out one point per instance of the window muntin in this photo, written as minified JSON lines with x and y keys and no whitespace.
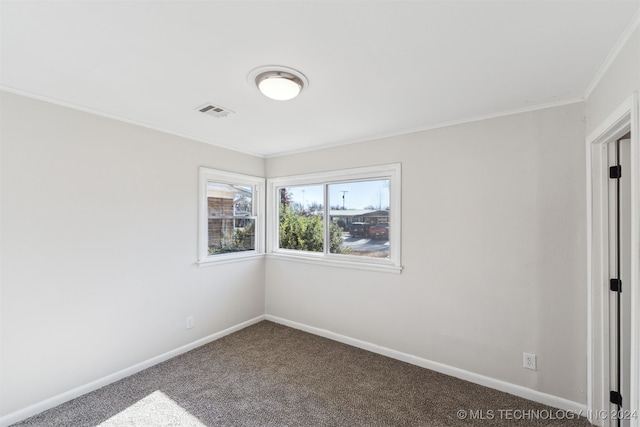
{"x":231,"y":216}
{"x":375,"y":201}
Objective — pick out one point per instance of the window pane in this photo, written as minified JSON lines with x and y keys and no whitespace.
{"x":231,"y":235}
{"x":228,"y":200}
{"x":361,"y":211}
{"x":230,"y":226}
{"x":301,"y":218}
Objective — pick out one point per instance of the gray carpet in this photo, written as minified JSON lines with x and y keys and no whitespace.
{"x":272,"y":375}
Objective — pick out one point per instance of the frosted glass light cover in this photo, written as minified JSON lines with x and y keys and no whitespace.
{"x":279,"y":88}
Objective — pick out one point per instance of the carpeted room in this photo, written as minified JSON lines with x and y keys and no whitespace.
{"x":269,"y":374}
{"x":100,"y":194}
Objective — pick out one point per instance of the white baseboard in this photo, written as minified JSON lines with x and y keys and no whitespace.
{"x":51,"y":402}
{"x":516,"y":390}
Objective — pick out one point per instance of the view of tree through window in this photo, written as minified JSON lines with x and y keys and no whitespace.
{"x":302,"y":219}
{"x":358,"y":218}
{"x":231,"y":224}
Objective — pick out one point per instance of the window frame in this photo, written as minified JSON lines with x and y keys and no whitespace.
{"x":257,"y":206}
{"x":392,"y":172}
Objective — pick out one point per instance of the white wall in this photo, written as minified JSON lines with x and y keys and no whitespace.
{"x":619,"y":81}
{"x":493,"y":244}
{"x":99,"y":241}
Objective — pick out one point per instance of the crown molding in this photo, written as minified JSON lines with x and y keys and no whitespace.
{"x":613,"y":54}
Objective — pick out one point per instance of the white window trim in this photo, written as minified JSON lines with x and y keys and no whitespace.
{"x":258,"y":184}
{"x":388,"y":171}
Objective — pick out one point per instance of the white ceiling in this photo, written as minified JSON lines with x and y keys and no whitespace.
{"x":375,"y":68}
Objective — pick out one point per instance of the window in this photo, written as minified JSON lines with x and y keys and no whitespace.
{"x":231,"y":221}
{"x":347,"y":218}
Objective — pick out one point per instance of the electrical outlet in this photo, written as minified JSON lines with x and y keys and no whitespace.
{"x":529,"y":361}
{"x":189,"y":322}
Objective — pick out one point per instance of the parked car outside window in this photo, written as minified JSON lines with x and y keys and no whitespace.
{"x":359,"y":229}
{"x":379,"y":231}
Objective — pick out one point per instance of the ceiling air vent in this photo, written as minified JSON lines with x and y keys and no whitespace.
{"x":214,"y":110}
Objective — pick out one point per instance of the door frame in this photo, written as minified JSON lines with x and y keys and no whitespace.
{"x":624,"y":119}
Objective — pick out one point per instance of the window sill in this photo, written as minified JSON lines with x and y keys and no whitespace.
{"x":331,"y":262}
{"x":228,"y":259}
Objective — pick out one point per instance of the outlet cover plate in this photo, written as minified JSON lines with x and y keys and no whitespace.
{"x":529,"y":361}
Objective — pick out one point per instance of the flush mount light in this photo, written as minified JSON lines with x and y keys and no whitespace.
{"x":279,"y":83}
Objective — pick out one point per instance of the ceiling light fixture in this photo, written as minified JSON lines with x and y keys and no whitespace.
{"x":279,"y":83}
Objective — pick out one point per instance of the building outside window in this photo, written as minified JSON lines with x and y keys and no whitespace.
{"x":231,"y":217}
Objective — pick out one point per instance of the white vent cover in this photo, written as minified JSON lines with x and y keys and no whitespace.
{"x":214,"y":110}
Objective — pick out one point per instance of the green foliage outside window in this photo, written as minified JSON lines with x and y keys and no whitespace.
{"x":242,"y":239}
{"x":305,"y":232}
